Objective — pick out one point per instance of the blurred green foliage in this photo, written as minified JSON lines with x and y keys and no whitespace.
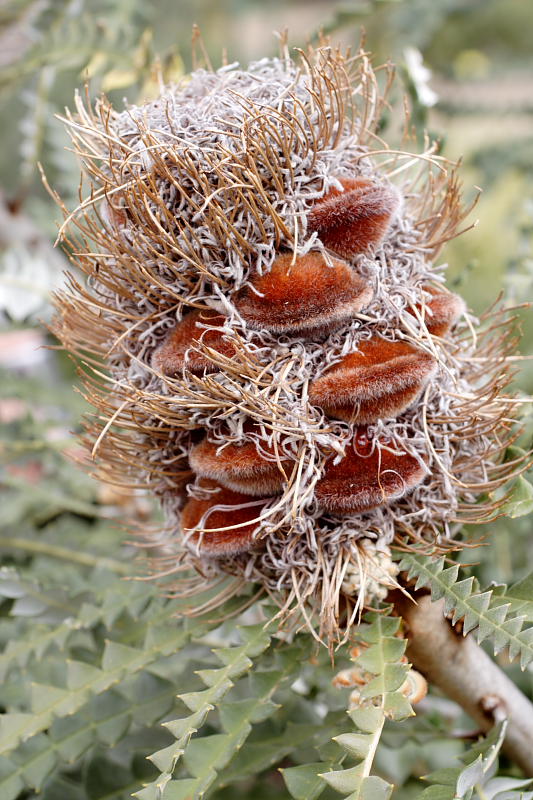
{"x":92,"y":662}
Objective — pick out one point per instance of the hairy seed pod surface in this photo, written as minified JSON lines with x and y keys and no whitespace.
{"x":304,"y":296}
{"x":356,"y":218}
{"x":381,"y":379}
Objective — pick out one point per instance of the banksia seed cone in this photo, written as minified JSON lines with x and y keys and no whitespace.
{"x":287,"y":371}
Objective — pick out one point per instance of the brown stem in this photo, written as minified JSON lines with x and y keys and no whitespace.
{"x":458,"y":666}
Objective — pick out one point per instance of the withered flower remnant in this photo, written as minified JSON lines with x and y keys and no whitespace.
{"x":286,"y":370}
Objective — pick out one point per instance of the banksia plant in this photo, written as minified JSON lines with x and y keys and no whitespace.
{"x":268,"y":342}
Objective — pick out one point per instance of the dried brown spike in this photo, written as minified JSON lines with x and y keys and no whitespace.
{"x":308,"y":297}
{"x":237,"y":509}
{"x":380,"y":380}
{"x":367,"y":477}
{"x":177,"y":351}
{"x":351,"y":221}
{"x":239,"y":467}
{"x":442,"y":311}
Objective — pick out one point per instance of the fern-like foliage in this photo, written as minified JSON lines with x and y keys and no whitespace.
{"x":58,"y":44}
{"x":381,"y":698}
{"x":82,"y":707}
{"x":498,"y":613}
{"x":204,"y":757}
{"x":475,"y":780}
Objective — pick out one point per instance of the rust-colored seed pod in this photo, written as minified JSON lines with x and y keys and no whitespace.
{"x":178,"y":350}
{"x":308,"y":297}
{"x":382,"y":379}
{"x":236,"y":509}
{"x":351,"y":221}
{"x":239,"y":467}
{"x":367,"y":477}
{"x":442,"y":311}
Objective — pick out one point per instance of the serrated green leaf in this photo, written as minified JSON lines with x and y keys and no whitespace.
{"x":165,"y":758}
{"x":211,"y":676}
{"x":389,"y":650}
{"x":483,"y":613}
{"x":519,"y":500}
{"x":10,"y":780}
{"x":111,"y":715}
{"x":44,"y":698}
{"x":523,"y":589}
{"x":196,"y":700}
{"x":205,"y":756}
{"x":70,"y":737}
{"x":469,"y":776}
{"x":119,"y":656}
{"x":207,"y":750}
{"x":357,"y":744}
{"x":234,"y":714}
{"x":447,"y":776}
{"x":183,"y":727}
{"x":368,"y":719}
{"x":38,"y":761}
{"x":360,"y":788}
{"x":268,"y":749}
{"x":380,"y":628}
{"x":80,"y":674}
{"x":118,"y":660}
{"x":19,"y":652}
{"x":391,"y":677}
{"x":495,"y":787}
{"x":177,"y":790}
{"x":344,"y":781}
{"x":15,"y":727}
{"x":438,"y":793}
{"x":372,"y":788}
{"x":396,"y":706}
{"x":304,"y":782}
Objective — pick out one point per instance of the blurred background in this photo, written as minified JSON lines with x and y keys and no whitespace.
{"x":467,"y":66}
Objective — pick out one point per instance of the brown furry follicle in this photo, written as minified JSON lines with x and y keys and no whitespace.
{"x":303,"y":296}
{"x":442,"y":311}
{"x":381,"y":379}
{"x":180,"y":348}
{"x":240,"y":467}
{"x":352,"y":221}
{"x":368,"y":476}
{"x":214,"y":517}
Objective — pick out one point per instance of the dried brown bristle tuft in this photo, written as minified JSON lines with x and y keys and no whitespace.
{"x":380,"y":380}
{"x":303,"y":296}
{"x":179,"y":349}
{"x":221,"y":509}
{"x":368,"y":476}
{"x":240,"y":467}
{"x":351,"y":221}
